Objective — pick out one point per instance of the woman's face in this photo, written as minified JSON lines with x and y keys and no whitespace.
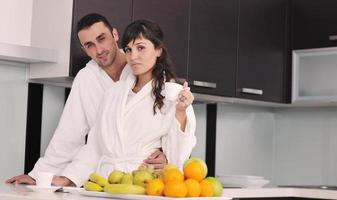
{"x":141,"y":55}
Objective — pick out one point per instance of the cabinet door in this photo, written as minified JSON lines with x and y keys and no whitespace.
{"x":314,"y":23}
{"x":118,"y":13}
{"x":262,"y":65}
{"x":212,"y":48}
{"x":172,"y":17}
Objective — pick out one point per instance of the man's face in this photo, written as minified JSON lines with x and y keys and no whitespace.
{"x":99,"y":43}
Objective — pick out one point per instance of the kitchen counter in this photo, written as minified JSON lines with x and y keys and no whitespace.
{"x":15,"y":192}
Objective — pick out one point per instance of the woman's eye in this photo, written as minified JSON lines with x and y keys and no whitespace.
{"x":140,"y":48}
{"x":127,"y":50}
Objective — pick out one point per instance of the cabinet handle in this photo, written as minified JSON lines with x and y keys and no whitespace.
{"x":252,"y":91}
{"x":333,"y":37}
{"x":204,"y":84}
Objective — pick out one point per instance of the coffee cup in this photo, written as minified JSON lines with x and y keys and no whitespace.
{"x":44,"y":179}
{"x":172,"y":90}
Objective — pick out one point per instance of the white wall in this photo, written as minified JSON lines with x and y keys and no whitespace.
{"x":15,"y":28}
{"x":13,"y":112}
{"x":16,"y":17}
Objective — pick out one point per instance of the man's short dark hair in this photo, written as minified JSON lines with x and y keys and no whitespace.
{"x":90,"y":19}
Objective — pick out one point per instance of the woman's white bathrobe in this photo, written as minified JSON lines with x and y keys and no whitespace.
{"x":127,"y":132}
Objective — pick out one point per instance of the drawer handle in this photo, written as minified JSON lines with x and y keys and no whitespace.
{"x":333,"y":37}
{"x":252,"y":91}
{"x":204,"y":84}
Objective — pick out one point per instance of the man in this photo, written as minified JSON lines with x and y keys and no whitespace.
{"x":108,"y":65}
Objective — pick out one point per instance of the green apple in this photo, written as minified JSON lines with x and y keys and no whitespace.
{"x":115,"y":176}
{"x":216,"y":185}
{"x":141,"y":177}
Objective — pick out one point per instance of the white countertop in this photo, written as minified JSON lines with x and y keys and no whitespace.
{"x":15,"y":192}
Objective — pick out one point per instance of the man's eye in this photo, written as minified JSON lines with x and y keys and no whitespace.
{"x":88,"y":46}
{"x":101,"y":39}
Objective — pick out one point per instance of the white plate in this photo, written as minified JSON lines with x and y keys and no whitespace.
{"x":43,"y":189}
{"x":137,"y":196}
{"x":243,"y":181}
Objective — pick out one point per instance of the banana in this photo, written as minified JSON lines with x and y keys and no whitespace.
{"x":124,"y":189}
{"x":90,"y":186}
{"x":100,"y":180}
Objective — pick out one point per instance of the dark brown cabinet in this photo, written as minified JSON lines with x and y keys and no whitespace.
{"x":172,"y":16}
{"x":314,"y":23}
{"x":213,"y":47}
{"x":262,"y":70}
{"x":118,"y":14}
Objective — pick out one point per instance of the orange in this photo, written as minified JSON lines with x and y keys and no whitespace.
{"x":193,"y":188}
{"x":173,"y":175}
{"x":155,"y":187}
{"x":206,"y":188}
{"x":195,"y":170}
{"x":175,"y":189}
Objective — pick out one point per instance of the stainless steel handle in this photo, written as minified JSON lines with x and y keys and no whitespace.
{"x":204,"y":84}
{"x":252,"y":91}
{"x":333,"y":37}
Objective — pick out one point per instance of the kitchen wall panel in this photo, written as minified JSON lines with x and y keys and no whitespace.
{"x":306,"y":146}
{"x":244,"y":140}
{"x":13,"y":111}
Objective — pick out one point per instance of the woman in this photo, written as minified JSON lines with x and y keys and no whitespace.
{"x":135,"y":117}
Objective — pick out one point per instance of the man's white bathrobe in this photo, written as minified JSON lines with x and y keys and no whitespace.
{"x":127,"y":132}
{"x":79,"y":115}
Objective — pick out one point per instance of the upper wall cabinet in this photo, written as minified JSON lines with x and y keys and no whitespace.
{"x":314,"y":23}
{"x":213,"y":47}
{"x":263,"y":69}
{"x":117,"y":12}
{"x":172,"y":16}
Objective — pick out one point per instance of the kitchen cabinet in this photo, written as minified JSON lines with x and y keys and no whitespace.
{"x":263,"y":69}
{"x":172,"y":16}
{"x":213,"y":47}
{"x":240,"y":49}
{"x":314,"y":23}
{"x":117,"y":12}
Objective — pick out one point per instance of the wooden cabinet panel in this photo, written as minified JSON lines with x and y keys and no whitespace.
{"x":314,"y":23}
{"x":212,"y":47}
{"x":262,"y":50}
{"x":118,"y":14}
{"x":172,"y":16}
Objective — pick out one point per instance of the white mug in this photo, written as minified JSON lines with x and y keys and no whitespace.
{"x":44,"y":179}
{"x":172,"y":90}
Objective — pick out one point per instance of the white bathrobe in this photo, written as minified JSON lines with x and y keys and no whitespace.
{"x":78,"y":117}
{"x":127,"y":132}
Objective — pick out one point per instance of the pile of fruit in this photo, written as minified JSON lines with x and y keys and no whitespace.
{"x":170,"y":182}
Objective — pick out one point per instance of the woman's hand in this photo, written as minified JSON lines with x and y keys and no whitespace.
{"x":185,"y":99}
{"x":62,"y":181}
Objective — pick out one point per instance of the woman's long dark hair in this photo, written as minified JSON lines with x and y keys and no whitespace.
{"x":163,"y":68}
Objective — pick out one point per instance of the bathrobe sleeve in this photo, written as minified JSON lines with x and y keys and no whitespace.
{"x":69,"y":136}
{"x":87,"y":159}
{"x":178,"y":145}
{"x":85,"y":162}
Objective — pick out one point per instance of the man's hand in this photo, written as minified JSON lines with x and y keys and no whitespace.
{"x":62,"y":181}
{"x":157,"y":160}
{"x":22,"y":179}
